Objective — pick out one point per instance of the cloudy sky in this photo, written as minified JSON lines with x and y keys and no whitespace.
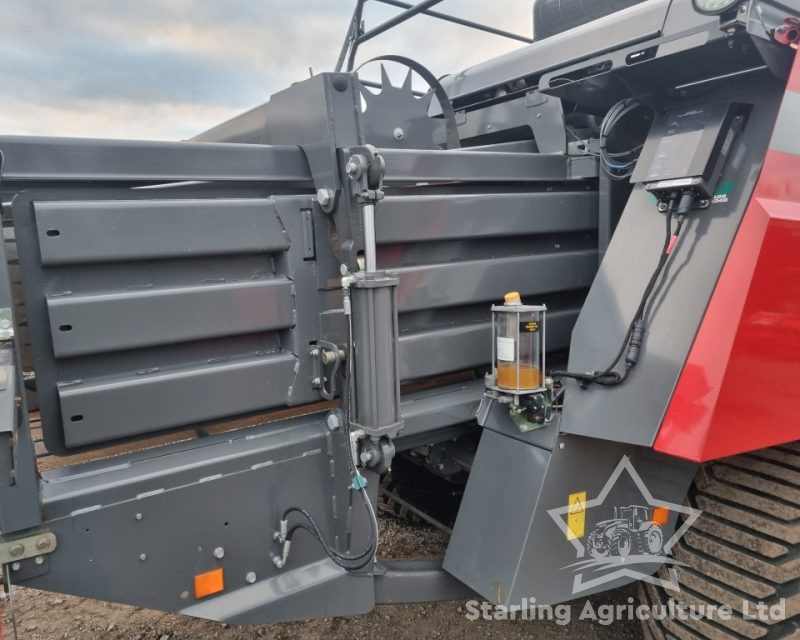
{"x":168,"y":69}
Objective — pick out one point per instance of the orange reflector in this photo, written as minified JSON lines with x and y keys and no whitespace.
{"x":660,"y":515}
{"x":208,"y":583}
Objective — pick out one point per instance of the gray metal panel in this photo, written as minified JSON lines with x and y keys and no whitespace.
{"x":116,"y":230}
{"x":191,"y":497}
{"x":637,"y":23}
{"x":471,"y":281}
{"x":521,"y":552}
{"x":83,"y":324}
{"x":133,"y":319}
{"x":41,"y":158}
{"x":417,"y":581}
{"x":432,"y":217}
{"x":501,"y":493}
{"x":492,"y":166}
{"x":435,"y":351}
{"x":94,"y":412}
{"x":633,"y":411}
{"x":19,"y":480}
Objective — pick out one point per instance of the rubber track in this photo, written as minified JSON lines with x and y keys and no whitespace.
{"x":744,"y":547}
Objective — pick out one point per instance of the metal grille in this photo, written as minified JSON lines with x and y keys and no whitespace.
{"x":551,"y":17}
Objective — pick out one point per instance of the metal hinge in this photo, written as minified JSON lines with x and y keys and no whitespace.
{"x":31,"y":546}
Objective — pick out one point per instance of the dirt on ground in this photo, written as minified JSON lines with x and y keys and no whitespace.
{"x":46,"y":616}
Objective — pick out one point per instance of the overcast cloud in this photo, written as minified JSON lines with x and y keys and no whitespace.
{"x":169,"y":69}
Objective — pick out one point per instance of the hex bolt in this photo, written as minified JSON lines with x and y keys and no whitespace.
{"x":561,"y":446}
{"x":219,"y":553}
{"x":16,"y":566}
{"x":142,"y":557}
{"x":138,"y":516}
{"x":324,"y":197}
{"x":398,"y":134}
{"x":17,"y":550}
{"x":250,"y":577}
{"x":333,"y":421}
{"x":315,"y":352}
{"x":316,"y":383}
{"x":39,"y":560}
{"x":42,"y":544}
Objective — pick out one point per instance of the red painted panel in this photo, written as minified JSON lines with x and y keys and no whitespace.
{"x":739,"y":389}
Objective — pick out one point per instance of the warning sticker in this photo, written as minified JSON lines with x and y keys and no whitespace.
{"x":576,"y":516}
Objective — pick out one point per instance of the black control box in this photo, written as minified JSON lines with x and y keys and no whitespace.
{"x":686,"y":149}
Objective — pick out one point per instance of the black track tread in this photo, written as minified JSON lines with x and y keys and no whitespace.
{"x":745,"y":546}
{"x":388,"y":505}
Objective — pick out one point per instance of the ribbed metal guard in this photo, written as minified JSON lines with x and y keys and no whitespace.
{"x":551,"y":17}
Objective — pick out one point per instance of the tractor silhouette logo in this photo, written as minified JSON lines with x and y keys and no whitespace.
{"x":630,"y":531}
{"x":633,"y":543}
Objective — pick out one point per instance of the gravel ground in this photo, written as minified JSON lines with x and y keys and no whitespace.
{"x":46,"y":616}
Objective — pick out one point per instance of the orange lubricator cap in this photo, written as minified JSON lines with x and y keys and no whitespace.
{"x":208,"y":583}
{"x":513,"y":297}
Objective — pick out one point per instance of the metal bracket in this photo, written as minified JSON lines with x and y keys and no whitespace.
{"x":366,"y":168}
{"x":326,"y":354}
{"x":38,"y":544}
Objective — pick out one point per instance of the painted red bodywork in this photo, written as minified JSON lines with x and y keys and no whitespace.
{"x":740,"y":388}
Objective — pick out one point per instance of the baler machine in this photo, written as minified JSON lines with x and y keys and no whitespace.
{"x":549,"y":301}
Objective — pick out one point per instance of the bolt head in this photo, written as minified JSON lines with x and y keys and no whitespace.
{"x":39,"y":560}
{"x":316,"y":382}
{"x":250,"y":577}
{"x":16,"y":566}
{"x":561,"y":446}
{"x":219,"y":553}
{"x":17,"y":550}
{"x":398,"y":134}
{"x":138,"y":516}
{"x":5,"y":323}
{"x":324,"y":197}
{"x":142,"y":557}
{"x":351,"y":167}
{"x":333,"y":421}
{"x":42,"y":544}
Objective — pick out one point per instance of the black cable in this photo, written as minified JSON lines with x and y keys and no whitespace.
{"x":620,"y":164}
{"x":634,"y":337}
{"x":328,"y":550}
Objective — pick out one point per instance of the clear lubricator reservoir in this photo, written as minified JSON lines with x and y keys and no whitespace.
{"x":518,"y":333}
